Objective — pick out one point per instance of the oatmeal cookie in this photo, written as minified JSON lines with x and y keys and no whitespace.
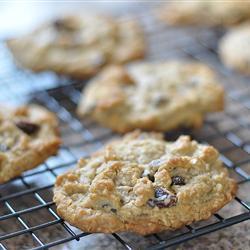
{"x":144,"y":184}
{"x":234,"y":49}
{"x":152,"y":96}
{"x":79,"y":46}
{"x":205,"y":12}
{"x":28,"y":136}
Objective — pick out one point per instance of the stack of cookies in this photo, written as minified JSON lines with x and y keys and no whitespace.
{"x":140,"y":183}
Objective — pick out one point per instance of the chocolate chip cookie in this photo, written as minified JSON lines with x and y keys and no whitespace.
{"x":144,"y":184}
{"x":152,"y":96}
{"x":79,"y":46}
{"x":205,"y":12}
{"x":234,"y":49}
{"x":28,"y":136}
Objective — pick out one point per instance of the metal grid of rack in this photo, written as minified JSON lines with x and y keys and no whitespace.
{"x":27,"y":213}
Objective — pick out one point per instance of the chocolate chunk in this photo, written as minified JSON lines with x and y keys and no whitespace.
{"x":27,"y":127}
{"x":178,"y":180}
{"x":3,"y":148}
{"x":162,"y":199}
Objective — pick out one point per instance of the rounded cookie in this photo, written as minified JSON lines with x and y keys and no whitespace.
{"x":79,"y":46}
{"x":205,"y":12}
{"x":28,"y":136}
{"x":152,"y":96}
{"x":234,"y":49}
{"x":144,"y":184}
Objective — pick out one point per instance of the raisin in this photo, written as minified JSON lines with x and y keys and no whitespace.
{"x":169,"y":202}
{"x":151,"y":177}
{"x":27,"y":127}
{"x":178,"y":180}
{"x":162,"y":199}
{"x":113,"y":210}
{"x":151,"y":203}
{"x":159,"y":192}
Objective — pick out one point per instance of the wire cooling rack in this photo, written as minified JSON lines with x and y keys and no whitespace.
{"x":28,"y":217}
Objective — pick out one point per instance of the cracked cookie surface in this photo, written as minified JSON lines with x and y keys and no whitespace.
{"x":234,"y":49}
{"x":205,"y":12}
{"x":144,"y":184}
{"x":152,"y":96}
{"x":79,"y":46}
{"x":28,"y":136}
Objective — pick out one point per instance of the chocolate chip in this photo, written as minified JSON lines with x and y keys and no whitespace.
{"x":162,"y":199}
{"x":3,"y":148}
{"x":178,"y":180}
{"x":27,"y":127}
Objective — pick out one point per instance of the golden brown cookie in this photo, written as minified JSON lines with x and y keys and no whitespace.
{"x":205,"y":12}
{"x":28,"y":136}
{"x":79,"y":46}
{"x":234,"y":49}
{"x":144,"y":184}
{"x":152,"y":96}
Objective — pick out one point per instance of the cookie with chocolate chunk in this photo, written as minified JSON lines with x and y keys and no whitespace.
{"x":79,"y":46}
{"x":144,"y":184}
{"x":28,"y":136}
{"x":158,"y":96}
